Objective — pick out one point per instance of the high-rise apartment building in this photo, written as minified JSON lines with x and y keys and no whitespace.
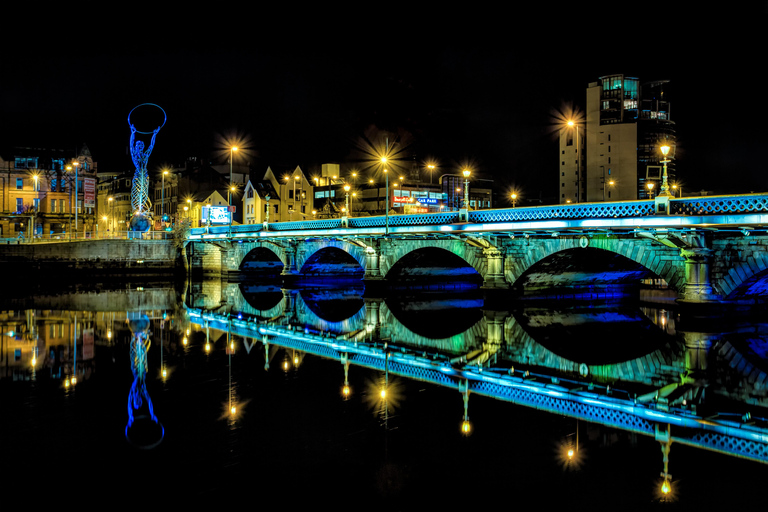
{"x":613,"y":154}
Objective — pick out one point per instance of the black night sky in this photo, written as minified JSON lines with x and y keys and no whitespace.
{"x":308,"y":94}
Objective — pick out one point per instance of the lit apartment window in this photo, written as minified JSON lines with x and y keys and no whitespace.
{"x":19,"y":183}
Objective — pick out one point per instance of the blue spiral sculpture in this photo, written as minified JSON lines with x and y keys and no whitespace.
{"x":140,"y":202}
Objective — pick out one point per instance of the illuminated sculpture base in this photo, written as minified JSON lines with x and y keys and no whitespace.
{"x":140,"y":222}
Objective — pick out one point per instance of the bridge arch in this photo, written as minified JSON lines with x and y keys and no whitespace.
{"x":663,"y":261}
{"x":240,"y":251}
{"x":394,"y":253}
{"x":312,"y":255}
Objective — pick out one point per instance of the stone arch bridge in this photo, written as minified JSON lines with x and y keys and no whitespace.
{"x":711,"y":250}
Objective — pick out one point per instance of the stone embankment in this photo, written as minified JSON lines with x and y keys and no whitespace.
{"x":92,"y":257}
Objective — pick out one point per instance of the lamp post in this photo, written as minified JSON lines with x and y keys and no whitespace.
{"x":111,"y":226}
{"x":650,"y":190}
{"x":77,"y":204}
{"x":346,"y":193}
{"x":295,"y":179}
{"x":431,"y":168}
{"x":69,"y":168}
{"x":513,"y":196}
{"x":571,"y":123}
{"x":34,"y":212}
{"x":162,"y":199}
{"x":232,"y":193}
{"x":664,"y":185}
{"x":466,"y":173}
{"x":386,"y":201}
{"x":231,"y":158}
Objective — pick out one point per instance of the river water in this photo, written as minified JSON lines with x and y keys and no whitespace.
{"x":245,"y":420}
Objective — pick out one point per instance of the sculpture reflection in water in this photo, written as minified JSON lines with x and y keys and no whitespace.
{"x":143,"y":430}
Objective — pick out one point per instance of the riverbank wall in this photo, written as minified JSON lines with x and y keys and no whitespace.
{"x":91,"y":258}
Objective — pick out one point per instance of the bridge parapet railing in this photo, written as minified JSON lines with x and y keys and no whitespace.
{"x":712,"y":205}
{"x":565,"y":212}
{"x":418,"y":219}
{"x":706,"y":205}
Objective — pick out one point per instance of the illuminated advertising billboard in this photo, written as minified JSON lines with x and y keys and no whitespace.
{"x":216,"y":214}
{"x":89,"y":192}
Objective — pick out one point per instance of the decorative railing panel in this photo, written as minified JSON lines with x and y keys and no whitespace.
{"x":713,"y":205}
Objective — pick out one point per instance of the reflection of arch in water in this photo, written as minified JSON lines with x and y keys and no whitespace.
{"x":305,"y":314}
{"x":472,"y":345}
{"x":262,"y":301}
{"x":746,"y":354}
{"x":663,"y":362}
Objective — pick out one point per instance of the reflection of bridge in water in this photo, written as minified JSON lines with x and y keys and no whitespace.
{"x":658,"y":393}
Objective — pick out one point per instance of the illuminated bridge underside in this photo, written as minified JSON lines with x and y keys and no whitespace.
{"x":728,"y":437}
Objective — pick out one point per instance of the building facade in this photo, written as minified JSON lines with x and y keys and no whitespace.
{"x":613,"y":154}
{"x":48,"y":193}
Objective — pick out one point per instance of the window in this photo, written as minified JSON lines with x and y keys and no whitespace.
{"x":19,"y":183}
{"x":53,"y":206}
{"x":250,"y":193}
{"x":36,"y":204}
{"x":19,"y":204}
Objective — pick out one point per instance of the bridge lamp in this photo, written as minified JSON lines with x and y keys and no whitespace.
{"x":664,"y":187}
{"x":231,"y":158}
{"x":513,"y":196}
{"x":650,"y":190}
{"x":346,"y":190}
